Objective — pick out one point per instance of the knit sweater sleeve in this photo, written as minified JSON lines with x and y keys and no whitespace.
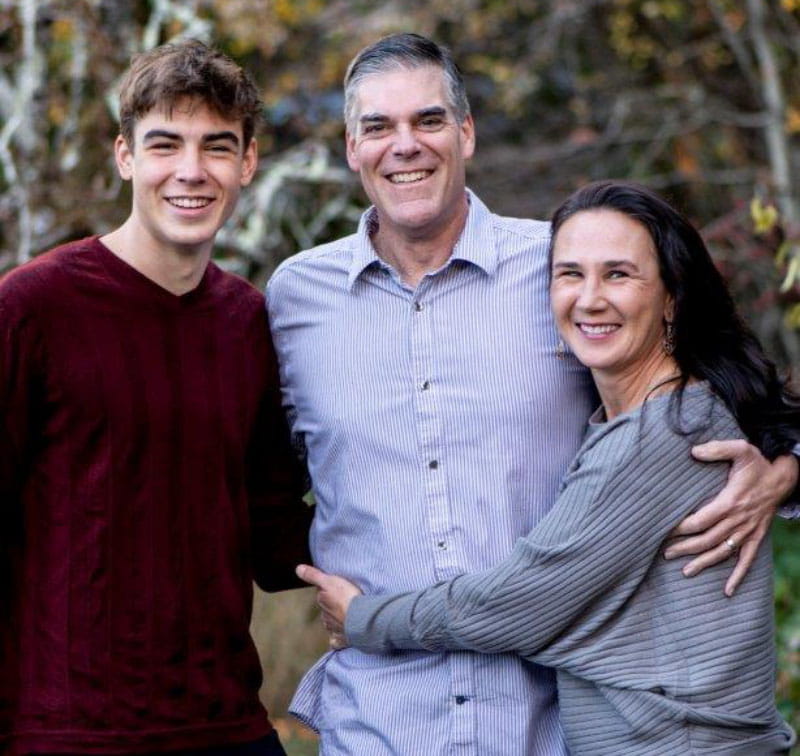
{"x":280,"y":519}
{"x":629,"y":486}
{"x":19,"y":380}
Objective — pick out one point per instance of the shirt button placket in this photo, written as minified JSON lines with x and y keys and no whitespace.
{"x":423,"y":344}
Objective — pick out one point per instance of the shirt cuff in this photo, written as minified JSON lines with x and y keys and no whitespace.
{"x":790,"y":509}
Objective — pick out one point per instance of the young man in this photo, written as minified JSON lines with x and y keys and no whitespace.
{"x":145,"y":472}
{"x":419,"y":366}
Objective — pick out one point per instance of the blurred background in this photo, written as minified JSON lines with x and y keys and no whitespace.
{"x":699,"y":99}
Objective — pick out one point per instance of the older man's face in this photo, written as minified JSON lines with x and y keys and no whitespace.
{"x":410,"y":151}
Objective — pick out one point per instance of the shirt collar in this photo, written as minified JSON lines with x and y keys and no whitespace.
{"x":476,"y":245}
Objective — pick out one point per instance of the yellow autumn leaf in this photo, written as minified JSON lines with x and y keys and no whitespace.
{"x":791,"y":274}
{"x":792,"y":121}
{"x":792,"y":317}
{"x":764,"y":216}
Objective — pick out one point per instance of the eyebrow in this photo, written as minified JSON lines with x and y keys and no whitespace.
{"x":432,"y":110}
{"x":216,"y":136}
{"x":373,"y":118}
{"x":607,"y":264}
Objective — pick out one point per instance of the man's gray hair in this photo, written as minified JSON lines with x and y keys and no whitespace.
{"x":404,"y":51}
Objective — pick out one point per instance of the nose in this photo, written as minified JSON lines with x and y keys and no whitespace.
{"x":590,"y":297}
{"x":405,"y":142}
{"x":191,"y":168}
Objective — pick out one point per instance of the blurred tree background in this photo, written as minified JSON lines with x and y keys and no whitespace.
{"x":699,"y":99}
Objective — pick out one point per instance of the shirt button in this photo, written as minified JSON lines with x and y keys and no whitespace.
{"x":433,"y":464}
{"x":461,"y":700}
{"x":418,"y":306}
{"x":442,"y":545}
{"x":425,"y":385}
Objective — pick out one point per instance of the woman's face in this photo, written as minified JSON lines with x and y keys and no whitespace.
{"x":606,"y":292}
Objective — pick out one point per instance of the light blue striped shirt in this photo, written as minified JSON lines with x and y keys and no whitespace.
{"x":437,"y":423}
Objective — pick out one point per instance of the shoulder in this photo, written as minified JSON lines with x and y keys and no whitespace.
{"x":334,"y":255}
{"x":694,"y":416}
{"x":519,"y":232}
{"x":655,"y":440}
{"x":535,"y":231}
{"x":307,"y":274}
{"x":522,"y":243}
{"x":32,"y":284}
{"x":236,"y":301}
{"x":233,"y":285}
{"x":525,"y":229}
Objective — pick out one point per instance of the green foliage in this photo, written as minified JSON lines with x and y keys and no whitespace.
{"x":787,"y":614}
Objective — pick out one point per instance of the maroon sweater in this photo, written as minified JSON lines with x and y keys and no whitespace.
{"x":142,"y":450}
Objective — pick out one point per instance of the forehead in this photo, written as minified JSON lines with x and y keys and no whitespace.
{"x":401,"y":91}
{"x":598,"y":233}
{"x":187,"y":117}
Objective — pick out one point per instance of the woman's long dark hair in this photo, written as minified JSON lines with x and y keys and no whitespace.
{"x":712,"y":342}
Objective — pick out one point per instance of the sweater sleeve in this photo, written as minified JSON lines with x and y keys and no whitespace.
{"x":571,"y":575}
{"x":19,"y":381}
{"x":280,"y":518}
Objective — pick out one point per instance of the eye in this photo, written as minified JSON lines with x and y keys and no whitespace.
{"x":161,"y":146}
{"x":567,"y":273}
{"x":374,"y":128}
{"x":615,"y":274}
{"x":431,"y":123}
{"x":220,"y":147}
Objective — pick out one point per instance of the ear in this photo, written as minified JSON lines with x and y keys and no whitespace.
{"x":249,"y":162}
{"x":123,"y":155}
{"x":467,"y":137}
{"x":352,"y":155}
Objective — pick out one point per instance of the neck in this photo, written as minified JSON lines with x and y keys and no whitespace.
{"x":623,"y":392}
{"x":175,"y":269}
{"x":414,"y":255}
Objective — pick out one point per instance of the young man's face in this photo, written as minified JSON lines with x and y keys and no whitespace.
{"x":187,"y":171}
{"x":410,"y":151}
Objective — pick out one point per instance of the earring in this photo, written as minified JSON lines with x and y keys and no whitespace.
{"x":669,"y":338}
{"x":561,"y":349}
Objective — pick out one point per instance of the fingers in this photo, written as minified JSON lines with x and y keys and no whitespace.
{"x":744,"y":547}
{"x":337,"y":641}
{"x":311,"y":575}
{"x":703,"y":541}
{"x":702,"y":520}
{"x":747,"y":555}
{"x":711,"y":556}
{"x":717,"y":451}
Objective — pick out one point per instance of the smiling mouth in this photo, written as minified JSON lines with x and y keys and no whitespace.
{"x":408,"y":177}
{"x":189,"y":203}
{"x":596,"y":330}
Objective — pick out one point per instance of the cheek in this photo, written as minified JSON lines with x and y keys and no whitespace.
{"x":364,"y":156}
{"x":560,"y":303}
{"x":149,"y":174}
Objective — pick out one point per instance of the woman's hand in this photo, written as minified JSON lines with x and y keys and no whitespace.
{"x":334,"y":595}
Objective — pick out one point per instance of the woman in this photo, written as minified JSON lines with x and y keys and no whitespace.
{"x":648,"y":661}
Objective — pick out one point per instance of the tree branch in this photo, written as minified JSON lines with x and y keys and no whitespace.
{"x":775,"y":102}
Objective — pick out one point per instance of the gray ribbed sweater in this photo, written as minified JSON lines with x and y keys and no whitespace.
{"x":649,"y":662}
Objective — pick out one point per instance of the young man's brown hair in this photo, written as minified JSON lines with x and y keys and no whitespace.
{"x":159,"y":78}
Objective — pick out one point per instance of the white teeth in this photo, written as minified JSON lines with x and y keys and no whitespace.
{"x":189,"y":203}
{"x":597,"y":329}
{"x":407,"y":178}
